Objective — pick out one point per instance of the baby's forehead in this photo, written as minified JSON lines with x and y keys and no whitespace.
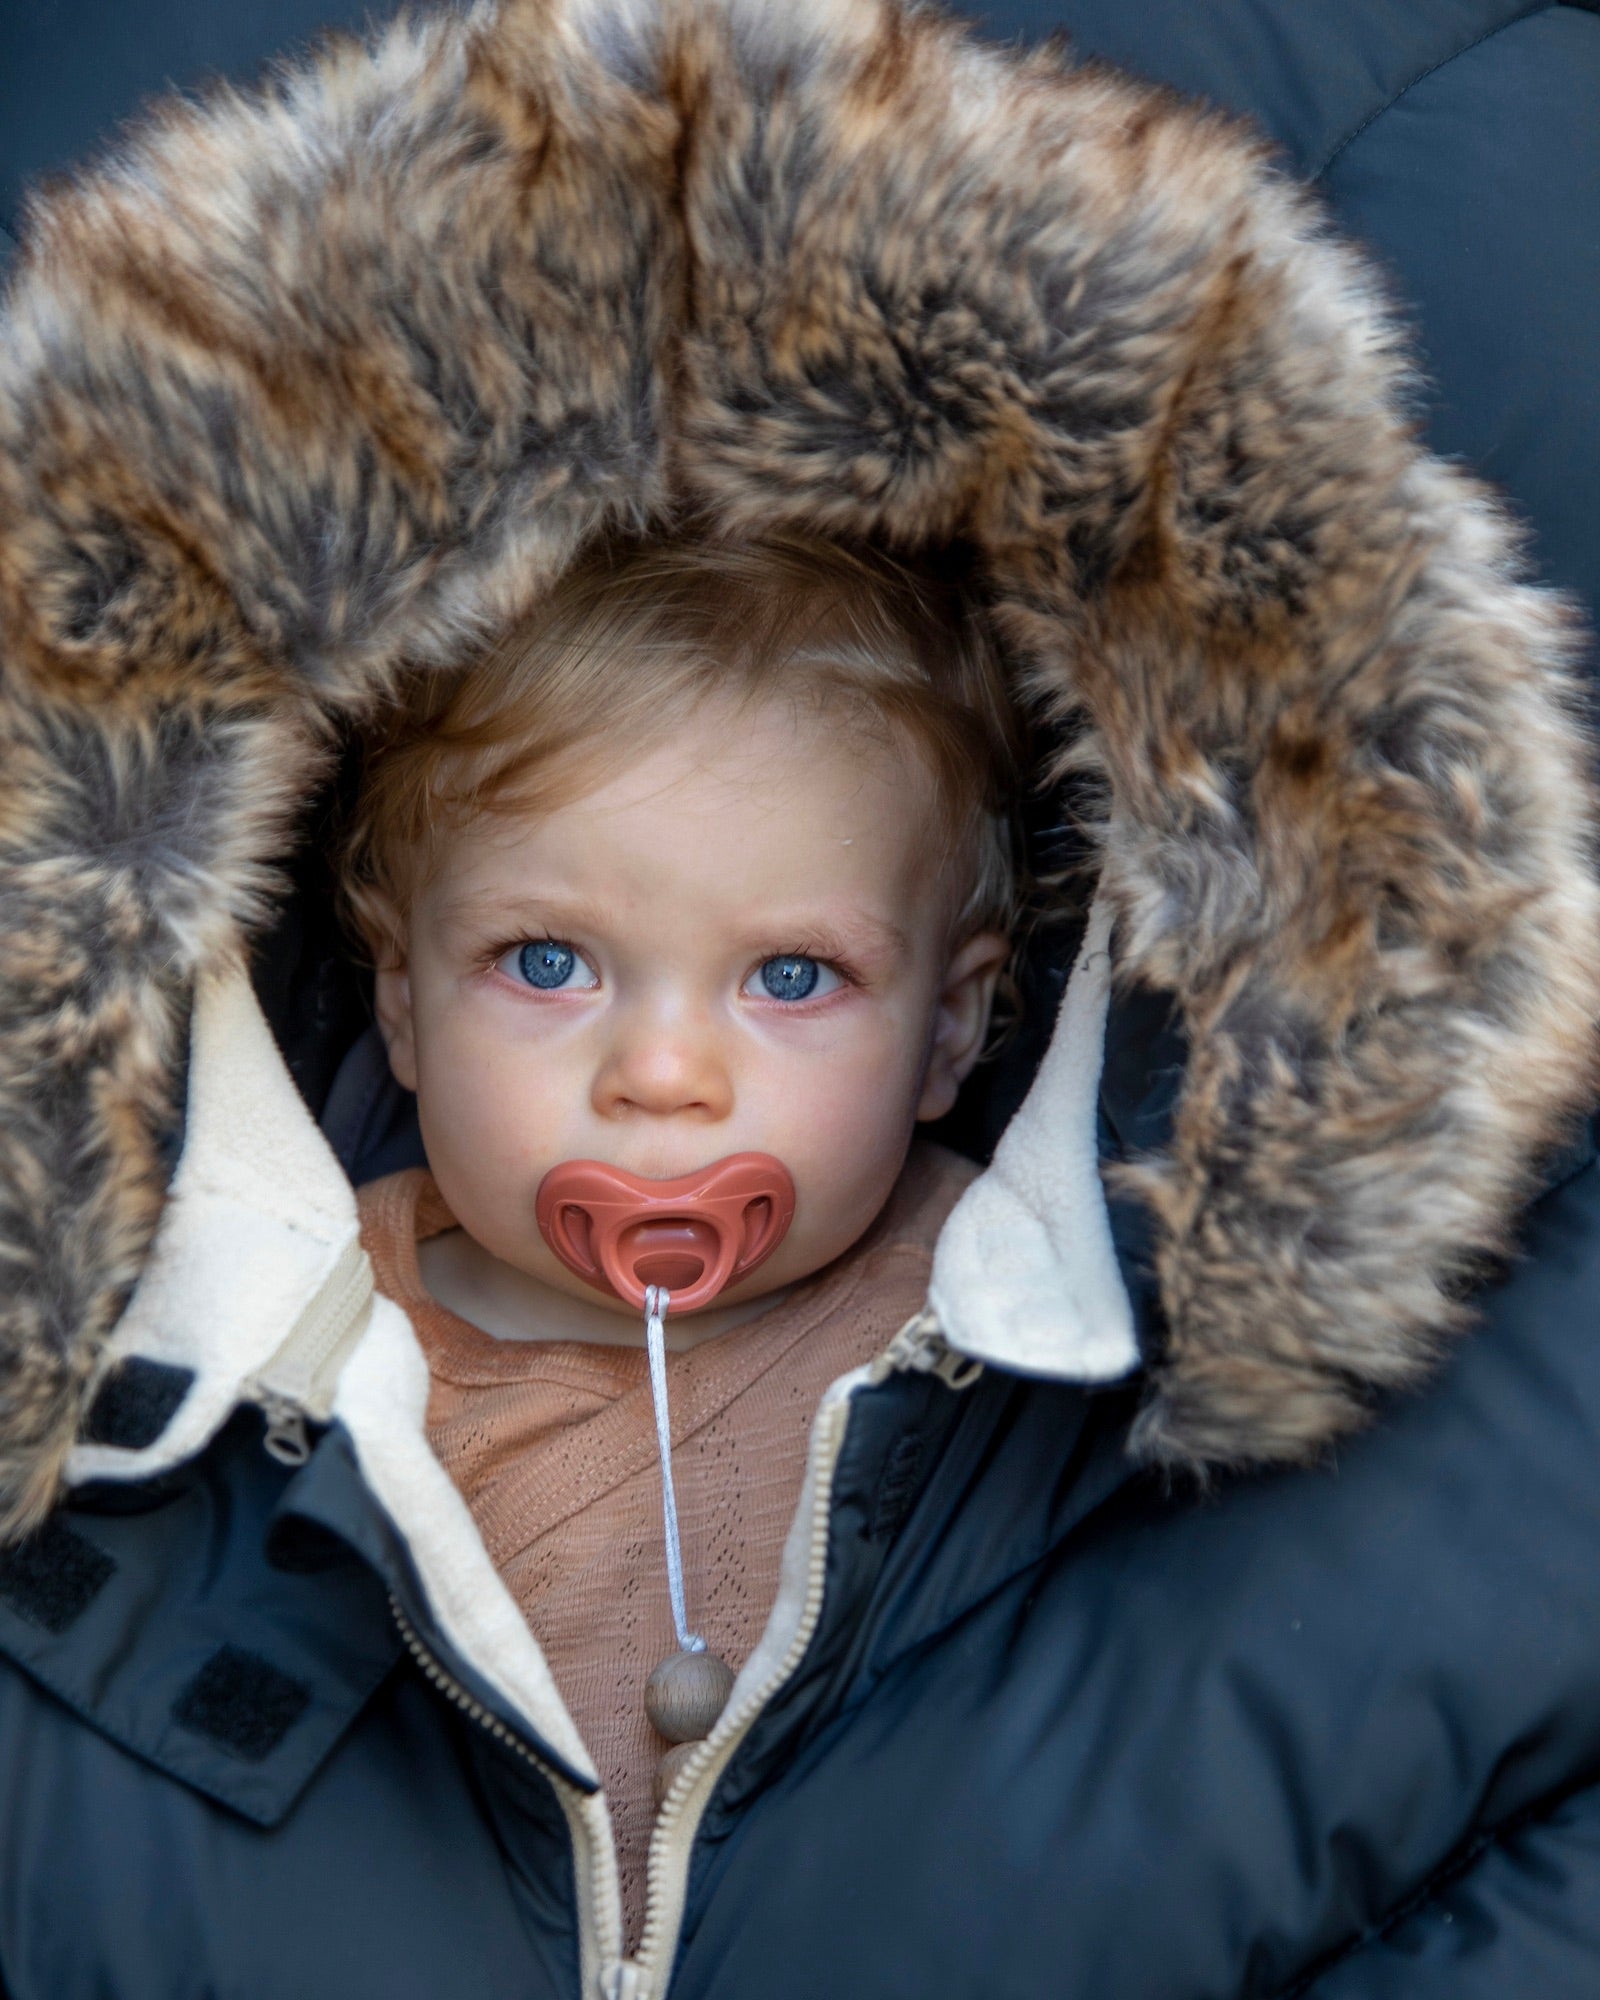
{"x":762,"y":814}
{"x":786,"y":754}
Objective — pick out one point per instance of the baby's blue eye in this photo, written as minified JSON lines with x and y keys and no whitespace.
{"x":789,"y":978}
{"x":548,"y":965}
{"x":795,"y":976}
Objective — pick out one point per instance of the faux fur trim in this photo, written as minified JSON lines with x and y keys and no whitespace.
{"x":302,"y":383}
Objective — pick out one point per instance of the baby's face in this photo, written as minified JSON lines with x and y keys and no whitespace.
{"x":737,"y":943}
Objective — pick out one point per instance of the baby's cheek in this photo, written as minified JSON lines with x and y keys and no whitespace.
{"x":479,"y":1114}
{"x":853,"y":1144}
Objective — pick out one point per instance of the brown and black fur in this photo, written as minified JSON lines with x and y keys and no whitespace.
{"x":303,"y":384}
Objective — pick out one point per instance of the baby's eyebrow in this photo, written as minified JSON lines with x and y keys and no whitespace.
{"x":858,"y":935}
{"x":529,"y":909}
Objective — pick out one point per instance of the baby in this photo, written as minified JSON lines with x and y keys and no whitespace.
{"x":711,"y":855}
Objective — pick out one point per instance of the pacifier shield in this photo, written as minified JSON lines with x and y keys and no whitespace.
{"x":694,"y":1235}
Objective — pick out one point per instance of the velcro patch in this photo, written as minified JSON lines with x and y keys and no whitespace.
{"x":135,"y":1403}
{"x":243,"y":1702}
{"x":53,"y":1577}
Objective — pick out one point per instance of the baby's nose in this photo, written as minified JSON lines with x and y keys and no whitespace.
{"x":662,"y":1068}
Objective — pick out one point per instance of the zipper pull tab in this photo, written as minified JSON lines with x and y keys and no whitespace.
{"x":922,"y":1347}
{"x":957,"y":1371}
{"x":915,"y":1345}
{"x":285,"y":1438}
{"x":623,"y":1979}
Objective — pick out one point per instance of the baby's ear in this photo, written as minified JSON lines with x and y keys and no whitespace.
{"x":391,"y":999}
{"x":962,"y":1019}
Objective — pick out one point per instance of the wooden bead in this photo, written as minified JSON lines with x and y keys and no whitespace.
{"x":672,"y":1762}
{"x":686,"y":1694}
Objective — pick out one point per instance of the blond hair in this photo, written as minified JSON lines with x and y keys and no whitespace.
{"x":631,"y":640}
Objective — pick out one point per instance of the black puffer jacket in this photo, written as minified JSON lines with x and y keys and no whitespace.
{"x":297,"y":388}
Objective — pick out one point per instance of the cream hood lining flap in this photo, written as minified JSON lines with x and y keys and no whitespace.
{"x":1025,"y":1274}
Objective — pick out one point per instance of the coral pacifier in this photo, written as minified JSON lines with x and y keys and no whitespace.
{"x":693,"y":1235}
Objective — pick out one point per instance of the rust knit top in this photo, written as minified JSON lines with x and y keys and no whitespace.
{"x":552,"y":1444}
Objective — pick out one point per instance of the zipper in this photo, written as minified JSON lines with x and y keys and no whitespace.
{"x":300,"y":1377}
{"x":643,"y":1976}
{"x":441,"y":1677}
{"x":597,"y":1890}
{"x":285,"y":1438}
{"x":919,"y":1346}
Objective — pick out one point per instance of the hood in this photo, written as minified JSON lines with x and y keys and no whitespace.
{"x":300,"y":385}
